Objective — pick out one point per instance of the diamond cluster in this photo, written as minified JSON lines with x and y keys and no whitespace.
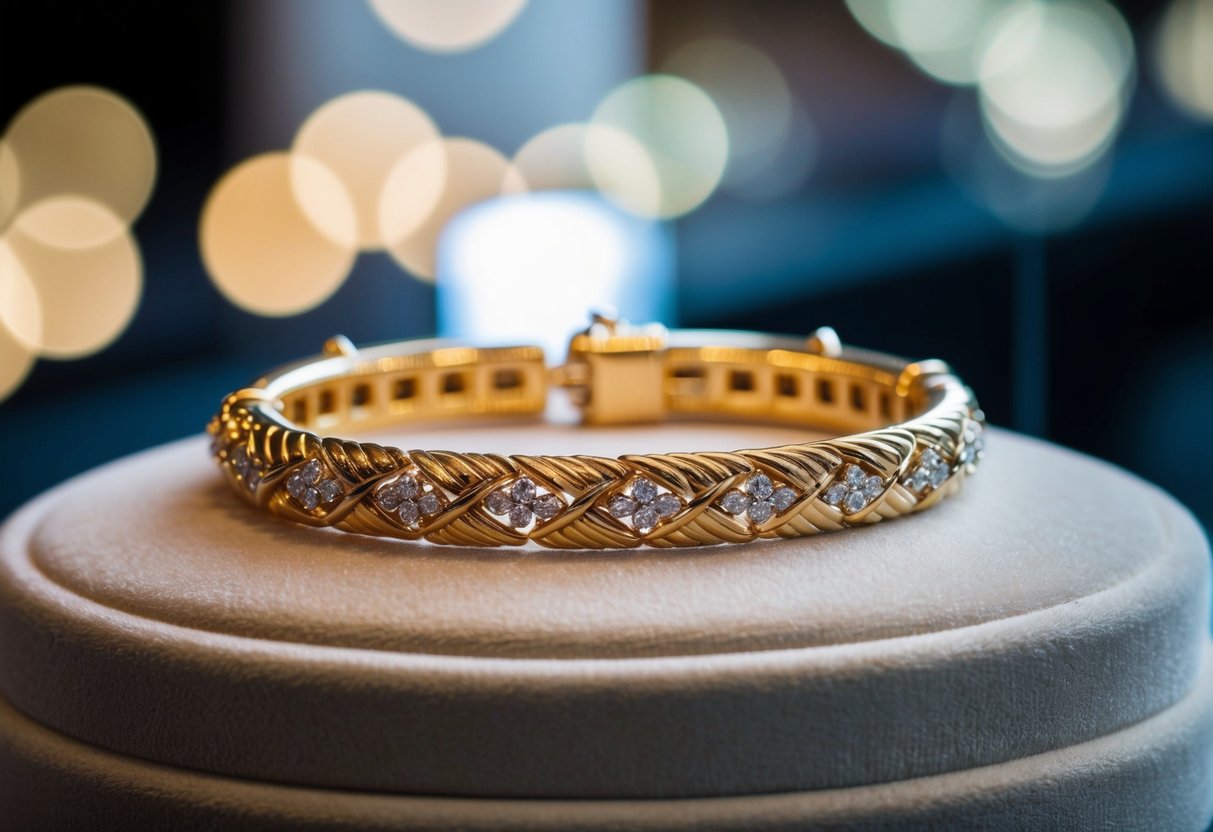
{"x":521,"y":502}
{"x":974,"y":444}
{"x":248,"y":468}
{"x":760,"y":500}
{"x":931,"y":472}
{"x":312,"y":486}
{"x":645,"y":504}
{"x":409,"y":498}
{"x":853,"y":490}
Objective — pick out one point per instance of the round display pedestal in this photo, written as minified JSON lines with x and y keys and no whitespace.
{"x":1032,"y":652}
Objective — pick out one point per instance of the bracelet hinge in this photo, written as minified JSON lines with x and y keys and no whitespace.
{"x":615,"y":372}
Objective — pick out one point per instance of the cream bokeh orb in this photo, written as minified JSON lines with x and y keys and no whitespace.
{"x":262,"y":250}
{"x":359,"y":137}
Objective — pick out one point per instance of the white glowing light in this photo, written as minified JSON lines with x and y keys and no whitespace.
{"x":359,"y":137}
{"x":262,"y":250}
{"x":876,"y":16}
{"x":1184,"y":55}
{"x":681,"y":131}
{"x":450,"y":175}
{"x":942,"y":36}
{"x":525,"y":269}
{"x":85,"y":141}
{"x":1053,"y":84}
{"x":447,"y":25}
{"x":1026,"y":202}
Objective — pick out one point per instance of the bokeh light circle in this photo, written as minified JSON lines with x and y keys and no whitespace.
{"x":10,"y":184}
{"x":681,"y":130}
{"x":942,"y":36}
{"x":556,"y":159}
{"x":263,"y":252}
{"x":70,"y":222}
{"x":448,"y":25}
{"x":16,"y":358}
{"x":85,"y":141}
{"x":1184,"y":55}
{"x":359,"y":137}
{"x":876,"y":16}
{"x":471,"y":172}
{"x":69,"y":302}
{"x":1053,"y":80}
{"x":1022,"y":201}
{"x":751,"y":93}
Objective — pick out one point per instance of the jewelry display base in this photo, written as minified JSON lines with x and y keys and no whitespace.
{"x":1033,"y":653}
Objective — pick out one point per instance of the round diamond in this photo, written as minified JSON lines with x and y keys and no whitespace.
{"x":645,"y":518}
{"x":854,"y":476}
{"x":409,"y":487}
{"x":499,"y":502}
{"x":939,"y":476}
{"x":389,"y":497}
{"x":667,"y":505}
{"x":759,"y":486}
{"x":240,"y":461}
{"x":409,"y":513}
{"x":329,"y":490}
{"x":252,"y":479}
{"x":835,"y":494}
{"x":760,"y":511}
{"x":918,"y":479}
{"x":872,"y":486}
{"x":854,"y":501}
{"x":309,"y":499}
{"x":295,"y":485}
{"x":644,"y":491}
{"x":520,"y":516}
{"x":622,"y":506}
{"x":523,"y":491}
{"x":428,"y":503}
{"x":311,"y":471}
{"x":735,"y":502}
{"x":547,"y":506}
{"x":783,"y":498}
{"x":930,"y":458}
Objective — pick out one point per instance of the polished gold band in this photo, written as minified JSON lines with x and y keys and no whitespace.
{"x":915,"y":434}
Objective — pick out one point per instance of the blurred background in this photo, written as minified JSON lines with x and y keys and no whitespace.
{"x":192,"y":193}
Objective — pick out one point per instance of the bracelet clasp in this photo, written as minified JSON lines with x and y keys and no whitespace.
{"x":615,"y":371}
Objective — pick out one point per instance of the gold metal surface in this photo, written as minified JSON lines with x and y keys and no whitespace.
{"x":273,"y":439}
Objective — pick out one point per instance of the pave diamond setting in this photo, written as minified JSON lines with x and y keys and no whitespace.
{"x":409,"y":498}
{"x":249,"y":469}
{"x":973,"y":449}
{"x":759,"y":500}
{"x":643,"y":505}
{"x":931,"y":472}
{"x":522,"y":502}
{"x":853,"y":490}
{"x":312,"y":486}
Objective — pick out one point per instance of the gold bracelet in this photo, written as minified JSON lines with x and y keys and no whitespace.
{"x":920,"y":437}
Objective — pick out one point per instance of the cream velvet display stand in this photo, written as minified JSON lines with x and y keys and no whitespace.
{"x":1031,"y":654}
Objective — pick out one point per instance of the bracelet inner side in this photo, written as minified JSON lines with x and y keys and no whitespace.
{"x":779,"y":385}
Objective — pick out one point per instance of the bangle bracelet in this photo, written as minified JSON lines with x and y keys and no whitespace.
{"x":915,"y":434}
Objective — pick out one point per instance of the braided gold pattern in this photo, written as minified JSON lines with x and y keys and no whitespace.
{"x":325,"y":481}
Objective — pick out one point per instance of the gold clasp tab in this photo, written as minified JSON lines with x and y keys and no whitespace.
{"x":615,"y":371}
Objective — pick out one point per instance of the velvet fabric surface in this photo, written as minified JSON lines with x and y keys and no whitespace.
{"x":1037,"y":644}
